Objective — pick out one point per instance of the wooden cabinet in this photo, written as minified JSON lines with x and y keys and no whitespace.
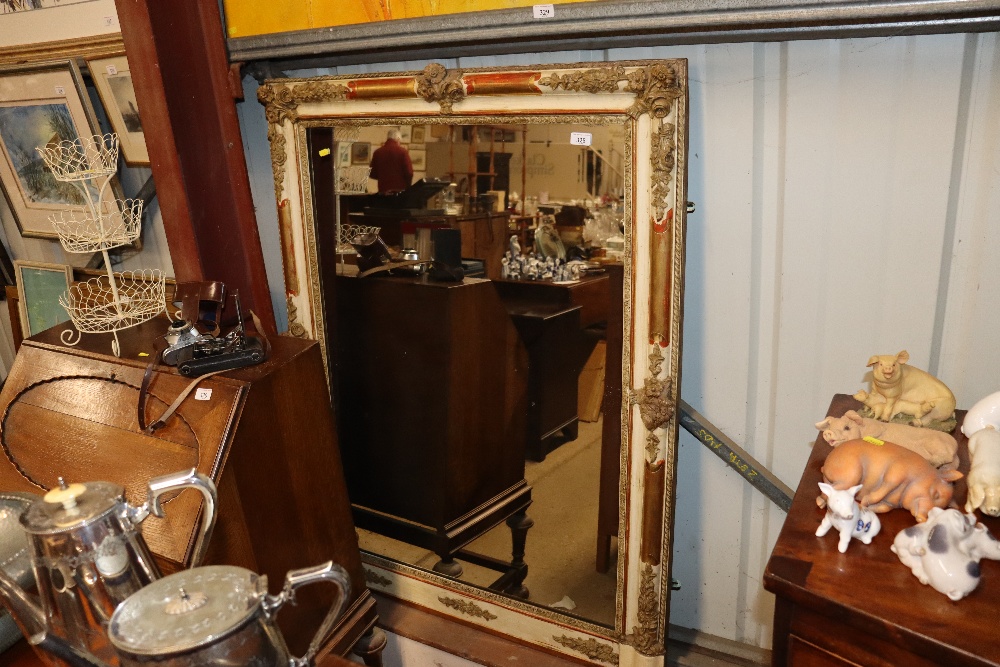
{"x":430,"y":397}
{"x":864,"y":607}
{"x":265,"y":435}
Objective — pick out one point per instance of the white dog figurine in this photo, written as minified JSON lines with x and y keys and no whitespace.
{"x":898,"y":387}
{"x":844,"y":514}
{"x":984,"y":473}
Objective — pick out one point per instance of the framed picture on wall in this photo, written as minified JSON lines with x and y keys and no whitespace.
{"x":39,"y":287}
{"x":41,"y":104}
{"x":343,"y":154}
{"x":361,"y":152}
{"x":405,"y":133}
{"x":113,"y":81}
{"x":418,"y":134}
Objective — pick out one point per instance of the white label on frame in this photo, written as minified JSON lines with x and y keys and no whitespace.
{"x":202,"y":394}
{"x":112,"y":70}
{"x":109,"y":21}
{"x":61,"y":91}
{"x":543,"y":11}
{"x":580,"y":138}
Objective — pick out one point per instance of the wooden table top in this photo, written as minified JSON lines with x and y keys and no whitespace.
{"x":868,"y":588}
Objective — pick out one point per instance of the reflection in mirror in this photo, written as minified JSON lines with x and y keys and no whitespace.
{"x":480,"y":419}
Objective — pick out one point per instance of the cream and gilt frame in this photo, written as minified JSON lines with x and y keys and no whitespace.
{"x":650,"y":99}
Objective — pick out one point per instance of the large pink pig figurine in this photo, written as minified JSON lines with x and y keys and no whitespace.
{"x":890,"y":476}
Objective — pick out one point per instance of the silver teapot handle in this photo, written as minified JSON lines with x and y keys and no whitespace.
{"x":179,"y":481}
{"x":328,"y":571}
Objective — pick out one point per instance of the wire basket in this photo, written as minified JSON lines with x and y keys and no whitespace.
{"x":348,"y":232}
{"x":118,"y":223}
{"x":347,"y":134}
{"x":352,"y":180}
{"x":94,"y":309}
{"x":82,"y":158}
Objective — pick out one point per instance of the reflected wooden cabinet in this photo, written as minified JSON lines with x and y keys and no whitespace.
{"x":265,"y":435}
{"x":430,"y":391}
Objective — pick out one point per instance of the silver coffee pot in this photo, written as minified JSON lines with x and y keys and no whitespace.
{"x":88,"y":556}
{"x":212,"y":616}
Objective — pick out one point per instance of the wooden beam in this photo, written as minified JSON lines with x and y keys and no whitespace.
{"x":184,"y":90}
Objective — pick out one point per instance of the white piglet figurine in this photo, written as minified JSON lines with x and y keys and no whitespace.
{"x":844,"y":514}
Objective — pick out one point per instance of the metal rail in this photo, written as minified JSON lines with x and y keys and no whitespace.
{"x":735,"y":457}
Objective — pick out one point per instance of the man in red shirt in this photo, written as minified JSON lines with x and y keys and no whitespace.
{"x":391,"y":165}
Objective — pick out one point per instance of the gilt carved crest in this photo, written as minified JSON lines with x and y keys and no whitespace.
{"x":437,"y":84}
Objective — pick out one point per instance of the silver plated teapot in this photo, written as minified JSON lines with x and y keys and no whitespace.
{"x":88,"y":556}
{"x":212,"y":616}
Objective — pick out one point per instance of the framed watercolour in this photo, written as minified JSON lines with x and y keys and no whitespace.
{"x":40,"y":104}
{"x":361,"y":152}
{"x":113,"y":81}
{"x":39,"y":287}
{"x":419,"y":134}
{"x":343,"y":154}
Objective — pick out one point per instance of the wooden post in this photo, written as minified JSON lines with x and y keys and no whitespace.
{"x":186,"y":94}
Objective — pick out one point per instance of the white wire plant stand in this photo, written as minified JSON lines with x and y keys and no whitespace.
{"x":111,"y":303}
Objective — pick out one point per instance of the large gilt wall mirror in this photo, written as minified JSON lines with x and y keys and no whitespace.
{"x":467,"y":502}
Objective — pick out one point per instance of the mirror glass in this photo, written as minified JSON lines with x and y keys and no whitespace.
{"x":550,"y":195}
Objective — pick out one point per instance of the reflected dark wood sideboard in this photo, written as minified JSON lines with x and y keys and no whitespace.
{"x":864,"y":607}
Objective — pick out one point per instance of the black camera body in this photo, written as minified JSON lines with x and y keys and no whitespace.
{"x":196,"y":354}
{"x":208,"y":355}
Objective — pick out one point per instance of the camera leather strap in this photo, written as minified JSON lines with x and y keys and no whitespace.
{"x":161,"y":421}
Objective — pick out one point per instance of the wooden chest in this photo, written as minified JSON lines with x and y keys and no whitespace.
{"x":864,"y":607}
{"x":264,"y":434}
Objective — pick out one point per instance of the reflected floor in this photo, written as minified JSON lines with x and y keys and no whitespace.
{"x":561,"y":546}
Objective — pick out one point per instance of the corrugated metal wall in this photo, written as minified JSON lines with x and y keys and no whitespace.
{"x":847,"y":206}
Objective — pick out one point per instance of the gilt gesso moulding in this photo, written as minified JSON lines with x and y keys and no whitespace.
{"x":649,"y":98}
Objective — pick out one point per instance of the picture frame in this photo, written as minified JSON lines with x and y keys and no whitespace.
{"x":418,"y":158}
{"x":113,"y":81}
{"x":343,"y":154}
{"x":39,"y":286}
{"x":40,"y":103}
{"x":361,"y":152}
{"x":405,"y":134}
{"x":419,"y":134}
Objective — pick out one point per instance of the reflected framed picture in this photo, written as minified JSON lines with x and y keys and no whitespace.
{"x":361,"y":152}
{"x":41,"y":104}
{"x":39,"y":287}
{"x":343,"y":154}
{"x":113,"y":81}
{"x":419,"y":134}
{"x":418,"y":158}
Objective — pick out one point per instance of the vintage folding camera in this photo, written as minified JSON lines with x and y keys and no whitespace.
{"x":206,"y":354}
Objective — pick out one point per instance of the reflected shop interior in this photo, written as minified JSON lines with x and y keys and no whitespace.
{"x":474,"y":344}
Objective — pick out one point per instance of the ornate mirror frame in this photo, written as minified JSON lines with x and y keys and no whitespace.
{"x":650,"y":99}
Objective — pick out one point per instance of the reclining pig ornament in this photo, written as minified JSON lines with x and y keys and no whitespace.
{"x":844,"y":514}
{"x":940,"y":449}
{"x":944,"y":552}
{"x":890,"y":476}
{"x":900,"y":388}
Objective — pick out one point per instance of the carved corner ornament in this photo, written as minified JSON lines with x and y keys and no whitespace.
{"x":467,"y":608}
{"x":591,"y":648}
{"x":295,"y":327}
{"x":657,"y":405}
{"x":437,"y":84}
{"x":644,"y":637}
{"x":373,"y":577}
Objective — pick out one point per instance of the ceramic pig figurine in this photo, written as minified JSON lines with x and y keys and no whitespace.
{"x":890,"y":476}
{"x":986,"y":412}
{"x":984,"y":472}
{"x":897,"y":387}
{"x":939,"y":449}
{"x":844,"y":514}
{"x":944,"y":552}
